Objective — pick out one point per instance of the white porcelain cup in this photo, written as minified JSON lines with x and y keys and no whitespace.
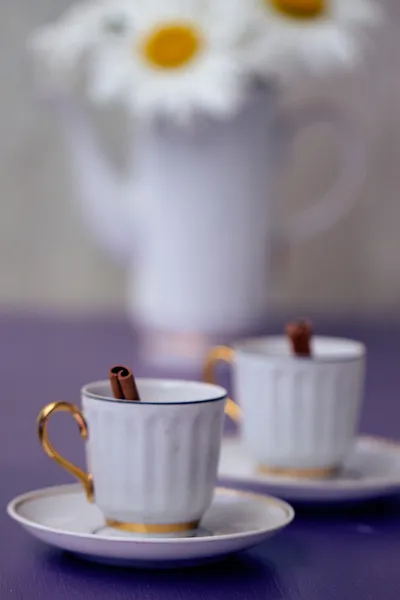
{"x":299,"y":416}
{"x":152,"y":464}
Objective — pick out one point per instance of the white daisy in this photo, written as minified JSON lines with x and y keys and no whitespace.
{"x":172,"y":57}
{"x":315,"y":34}
{"x":61,"y":45}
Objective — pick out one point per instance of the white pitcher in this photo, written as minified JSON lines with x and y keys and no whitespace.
{"x":196,"y":217}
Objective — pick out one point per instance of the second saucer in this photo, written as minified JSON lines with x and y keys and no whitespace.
{"x":372,"y":470}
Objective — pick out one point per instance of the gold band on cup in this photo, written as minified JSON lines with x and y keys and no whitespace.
{"x":313,"y":473}
{"x":152,"y":528}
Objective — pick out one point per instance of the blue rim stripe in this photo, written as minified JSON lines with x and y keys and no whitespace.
{"x":93,"y":396}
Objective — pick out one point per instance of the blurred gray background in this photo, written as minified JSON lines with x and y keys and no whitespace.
{"x":48,"y":261}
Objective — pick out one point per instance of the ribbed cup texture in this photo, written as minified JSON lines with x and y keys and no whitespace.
{"x":300,"y":414}
{"x":153,"y":463}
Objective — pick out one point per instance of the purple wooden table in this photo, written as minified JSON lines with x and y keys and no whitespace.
{"x":352,"y":553}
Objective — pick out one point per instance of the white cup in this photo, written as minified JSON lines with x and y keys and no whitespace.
{"x":153,"y":464}
{"x":299,"y":416}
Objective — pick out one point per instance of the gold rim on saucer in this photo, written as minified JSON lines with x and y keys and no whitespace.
{"x":153,"y":528}
{"x":313,"y":473}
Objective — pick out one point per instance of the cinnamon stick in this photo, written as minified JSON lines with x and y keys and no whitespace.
{"x":300,"y":334}
{"x":128,"y":385}
{"x":115,"y":385}
{"x":123,"y":384}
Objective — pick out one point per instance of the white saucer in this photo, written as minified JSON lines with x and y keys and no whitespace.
{"x":372,"y":471}
{"x":62,"y":517}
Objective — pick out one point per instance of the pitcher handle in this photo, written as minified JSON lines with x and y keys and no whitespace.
{"x":226,"y":355}
{"x":42,"y":422}
{"x":340,"y":199}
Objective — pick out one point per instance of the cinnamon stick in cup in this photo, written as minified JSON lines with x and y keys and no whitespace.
{"x":128,"y":385}
{"x":123,"y":384}
{"x":300,"y":334}
{"x":115,"y":385}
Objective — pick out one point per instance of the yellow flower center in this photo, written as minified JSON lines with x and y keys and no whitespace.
{"x":301,"y":9}
{"x":172,"y":46}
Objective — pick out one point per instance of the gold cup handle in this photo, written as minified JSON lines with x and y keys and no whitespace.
{"x":42,"y":422}
{"x":226,"y":355}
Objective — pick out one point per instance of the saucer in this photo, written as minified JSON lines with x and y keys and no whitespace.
{"x":371,"y":471}
{"x":61,"y":517}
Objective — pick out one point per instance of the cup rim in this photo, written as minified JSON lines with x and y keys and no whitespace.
{"x":356,"y":350}
{"x":223,"y":394}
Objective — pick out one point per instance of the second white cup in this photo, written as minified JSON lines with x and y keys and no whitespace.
{"x":299,"y":416}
